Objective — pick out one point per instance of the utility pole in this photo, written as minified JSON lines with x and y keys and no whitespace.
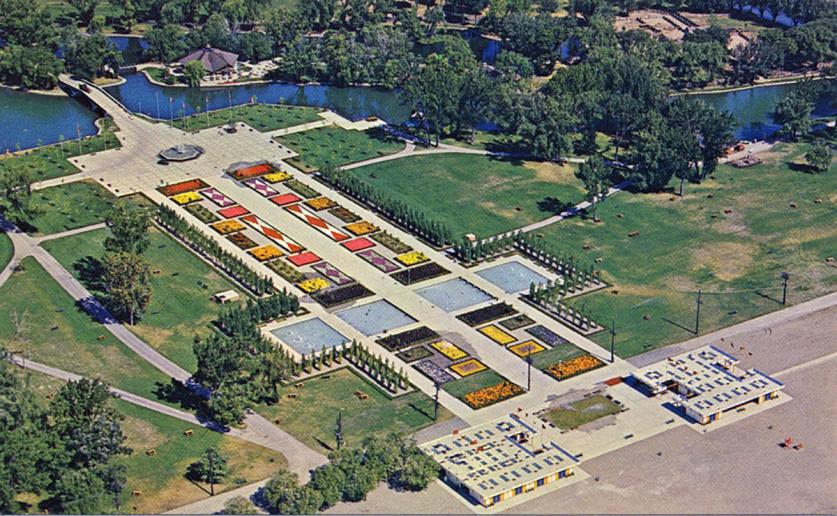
{"x":697,"y":315}
{"x":612,"y":338}
{"x":529,"y":370}
{"x":785,"y":278}
{"x":338,"y":430}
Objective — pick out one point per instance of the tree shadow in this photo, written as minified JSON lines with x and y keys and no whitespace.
{"x":183,"y":396}
{"x":553,"y":205}
{"x":89,"y":270}
{"x":805,"y":169}
{"x":97,"y":312}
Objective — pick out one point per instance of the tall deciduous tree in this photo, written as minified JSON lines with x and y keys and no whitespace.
{"x":211,"y":468}
{"x":128,"y":229}
{"x":193,"y":73}
{"x":819,"y":157}
{"x":127,"y":283}
{"x":595,"y":175}
{"x":16,"y":194}
{"x":793,"y":112}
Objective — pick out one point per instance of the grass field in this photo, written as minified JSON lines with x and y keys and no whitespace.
{"x":731,"y":237}
{"x":557,"y":354}
{"x":312,"y":416}
{"x":582,"y":412}
{"x":51,"y":161}
{"x":262,"y":117}
{"x":463,"y":386}
{"x":180,"y":301}
{"x":70,"y":206}
{"x":331,"y":144}
{"x":39,"y":319}
{"x":161,"y":477}
{"x":476,"y":194}
{"x":7,"y":250}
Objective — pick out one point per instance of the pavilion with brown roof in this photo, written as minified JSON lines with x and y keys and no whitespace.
{"x":212,"y":59}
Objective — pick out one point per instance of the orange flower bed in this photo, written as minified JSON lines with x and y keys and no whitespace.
{"x":361,"y":228}
{"x":576,"y":366}
{"x":182,"y":187}
{"x":320,"y":203}
{"x":265,"y":253}
{"x":491,"y":395}
{"x":254,"y":171}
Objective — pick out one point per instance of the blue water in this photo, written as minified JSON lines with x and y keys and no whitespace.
{"x":453,"y":294}
{"x":374,"y":318}
{"x":309,"y":336}
{"x":29,"y":120}
{"x":511,"y":276}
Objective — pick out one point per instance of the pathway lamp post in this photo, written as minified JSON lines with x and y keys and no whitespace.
{"x":785,"y":278}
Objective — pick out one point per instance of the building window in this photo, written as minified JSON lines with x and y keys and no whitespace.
{"x":562,"y":474}
{"x":540,"y":482}
{"x":496,"y":499}
{"x":518,"y":490}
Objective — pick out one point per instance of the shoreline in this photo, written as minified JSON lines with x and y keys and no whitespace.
{"x":744,"y":87}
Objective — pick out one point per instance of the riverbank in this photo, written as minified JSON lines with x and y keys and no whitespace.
{"x":779,"y":81}
{"x":55,"y":92}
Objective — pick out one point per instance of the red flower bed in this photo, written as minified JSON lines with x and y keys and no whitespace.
{"x":303,"y":258}
{"x":254,"y":171}
{"x":233,"y":211}
{"x":286,"y":198}
{"x":182,"y":187}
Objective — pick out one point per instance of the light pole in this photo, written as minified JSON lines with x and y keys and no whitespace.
{"x":785,"y":278}
{"x":697,"y":315}
{"x":612,"y":338}
{"x":529,"y":370}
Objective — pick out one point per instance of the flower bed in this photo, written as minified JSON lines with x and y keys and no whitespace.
{"x":546,"y":335}
{"x":429,"y":369}
{"x":411,"y":258}
{"x":420,"y":273}
{"x":449,"y":350}
{"x":526,"y":348}
{"x":202,"y":213}
{"x":486,"y":314}
{"x":468,"y":367}
{"x":305,"y":258}
{"x":265,"y":253}
{"x":252,"y":171}
{"x":340,"y":295}
{"x":517,"y":322}
{"x":183,"y":186}
{"x":277,"y":177}
{"x":408,"y":338}
{"x":242,"y":241}
{"x":358,"y":244}
{"x":287,"y":272}
{"x":390,"y":242}
{"x":344,"y":214}
{"x":413,"y":354}
{"x":185,"y":198}
{"x":233,"y":212}
{"x":227,"y":226}
{"x":497,"y":335}
{"x":378,"y":261}
{"x":302,"y":189}
{"x":362,"y":228}
{"x":286,"y":198}
{"x":573,"y":367}
{"x":312,"y":285}
{"x":491,"y":395}
{"x":320,"y":203}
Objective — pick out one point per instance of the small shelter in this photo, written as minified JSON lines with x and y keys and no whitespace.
{"x":226,"y":296}
{"x":212,"y":60}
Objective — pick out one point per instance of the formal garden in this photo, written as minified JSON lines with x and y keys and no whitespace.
{"x":337,"y":146}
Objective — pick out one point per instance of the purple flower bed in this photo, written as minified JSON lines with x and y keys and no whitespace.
{"x":434,"y":372}
{"x":547,"y":336}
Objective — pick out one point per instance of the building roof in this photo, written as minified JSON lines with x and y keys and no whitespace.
{"x":499,"y":456}
{"x":212,"y":59}
{"x":711,"y":380}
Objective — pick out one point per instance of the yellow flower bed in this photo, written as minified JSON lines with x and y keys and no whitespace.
{"x":573,"y":367}
{"x":361,"y":228}
{"x":265,"y":253}
{"x":412,"y":258}
{"x":227,"y":226}
{"x":449,"y":350}
{"x":320,"y":203}
{"x":491,"y":395}
{"x":277,"y":177}
{"x":312,"y":285}
{"x":526,"y":348}
{"x":186,"y":198}
{"x":496,"y":334}
{"x":468,"y":367}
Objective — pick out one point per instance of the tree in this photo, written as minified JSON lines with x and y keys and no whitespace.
{"x":819,"y":157}
{"x":29,"y":67}
{"x":228,"y":404}
{"x":165,"y":43}
{"x":89,"y":56}
{"x":128,"y":229}
{"x":193,"y":73}
{"x":126,"y":279}
{"x":793,"y":112}
{"x":416,"y":470}
{"x":16,"y":194}
{"x":239,"y":505}
{"x":86,"y":9}
{"x":594,"y":174}
{"x":80,"y":492}
{"x":211,"y":468}
{"x":546,"y":124}
{"x":278,"y":489}
{"x":216,"y":31}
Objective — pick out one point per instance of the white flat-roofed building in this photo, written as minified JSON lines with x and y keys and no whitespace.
{"x":709,"y":382}
{"x":500,"y":459}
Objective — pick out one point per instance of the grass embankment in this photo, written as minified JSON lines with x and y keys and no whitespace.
{"x":337,"y":146}
{"x":474,"y":193}
{"x":70,"y":206}
{"x":50,"y":161}
{"x":180,"y":301}
{"x":160,"y":477}
{"x":311,"y":417}
{"x":262,"y":117}
{"x":40,"y":320}
{"x":730,"y":237}
{"x":7,"y":250}
{"x":581,"y":412}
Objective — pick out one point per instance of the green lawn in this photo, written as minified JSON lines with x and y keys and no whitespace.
{"x":582,"y":411}
{"x":687,"y":244}
{"x":70,"y":206}
{"x":262,"y":117}
{"x":38,"y":318}
{"x":7,"y":250}
{"x":311,"y":417}
{"x":477,"y":194}
{"x":474,"y":382}
{"x":557,"y":354}
{"x":338,"y":146}
{"x":51,"y":161}
{"x":180,"y":301}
